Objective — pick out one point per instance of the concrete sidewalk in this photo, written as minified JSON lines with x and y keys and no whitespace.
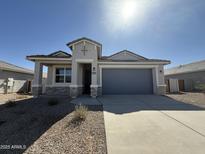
{"x":152,"y":125}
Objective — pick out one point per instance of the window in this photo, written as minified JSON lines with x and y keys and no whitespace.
{"x":63,"y":75}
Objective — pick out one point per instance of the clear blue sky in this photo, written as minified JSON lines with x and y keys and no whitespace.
{"x":171,"y":29}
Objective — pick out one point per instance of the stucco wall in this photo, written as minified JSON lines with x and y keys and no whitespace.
{"x":159,"y":86}
{"x":90,"y":56}
{"x":161,"y":75}
{"x":191,"y":80}
{"x":91,"y":52}
{"x":15,"y":75}
{"x":158,"y":75}
{"x":19,"y":84}
{"x":79,"y":58}
{"x":80,"y":74}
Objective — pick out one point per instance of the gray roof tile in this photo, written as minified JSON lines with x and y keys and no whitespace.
{"x":83,"y":38}
{"x":53,"y":55}
{"x":142,"y":59}
{"x":11,"y":67}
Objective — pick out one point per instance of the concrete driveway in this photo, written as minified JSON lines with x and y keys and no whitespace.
{"x":152,"y":125}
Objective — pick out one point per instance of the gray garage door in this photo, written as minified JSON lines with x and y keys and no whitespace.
{"x":127,"y":81}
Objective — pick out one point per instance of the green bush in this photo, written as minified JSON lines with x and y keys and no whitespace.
{"x":80,"y":112}
{"x":10,"y":103}
{"x":52,"y":102}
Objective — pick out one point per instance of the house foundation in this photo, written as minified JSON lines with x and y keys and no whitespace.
{"x":58,"y":91}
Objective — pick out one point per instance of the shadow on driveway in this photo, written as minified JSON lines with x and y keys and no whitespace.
{"x":120,"y":104}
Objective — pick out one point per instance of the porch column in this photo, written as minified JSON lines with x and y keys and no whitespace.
{"x":37,"y":82}
{"x":74,"y":77}
{"x":49,"y":80}
{"x":94,"y":85}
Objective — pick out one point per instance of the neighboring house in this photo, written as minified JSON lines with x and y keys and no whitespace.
{"x":190,"y":77}
{"x":14,"y":78}
{"x":86,"y":71}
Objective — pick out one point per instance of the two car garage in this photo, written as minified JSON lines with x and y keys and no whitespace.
{"x":127,"y":81}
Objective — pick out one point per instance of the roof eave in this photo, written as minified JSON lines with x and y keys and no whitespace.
{"x":135,"y":62}
{"x":33,"y":58}
{"x":185,"y":72}
{"x":19,"y":71}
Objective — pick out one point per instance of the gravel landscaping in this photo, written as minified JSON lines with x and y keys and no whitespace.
{"x":34,"y":126}
{"x":190,"y":98}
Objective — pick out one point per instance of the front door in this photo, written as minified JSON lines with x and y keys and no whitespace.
{"x":86,"y":78}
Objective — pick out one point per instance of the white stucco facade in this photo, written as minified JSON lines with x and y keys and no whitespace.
{"x":87,"y":56}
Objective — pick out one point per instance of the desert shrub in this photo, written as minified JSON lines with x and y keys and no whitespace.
{"x":10,"y":103}
{"x":52,"y":102}
{"x":80,"y":112}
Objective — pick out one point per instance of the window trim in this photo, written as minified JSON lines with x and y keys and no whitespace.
{"x":64,"y":76}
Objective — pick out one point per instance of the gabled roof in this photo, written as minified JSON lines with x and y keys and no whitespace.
{"x":81,"y":39}
{"x":187,"y":68}
{"x":11,"y":67}
{"x":126,"y":56}
{"x":57,"y":54}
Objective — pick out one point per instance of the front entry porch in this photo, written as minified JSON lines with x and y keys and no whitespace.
{"x":65,"y":79}
{"x":86,"y":79}
{"x":57,"y":80}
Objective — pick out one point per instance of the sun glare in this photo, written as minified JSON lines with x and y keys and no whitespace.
{"x":128,"y":10}
{"x":125,"y":15}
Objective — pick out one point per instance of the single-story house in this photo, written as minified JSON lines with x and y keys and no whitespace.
{"x":86,"y":71}
{"x":190,"y":77}
{"x":14,"y":78}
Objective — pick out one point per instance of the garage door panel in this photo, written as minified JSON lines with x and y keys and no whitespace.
{"x":127,"y":81}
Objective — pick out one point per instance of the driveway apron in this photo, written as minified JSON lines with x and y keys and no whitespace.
{"x":148,"y":124}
